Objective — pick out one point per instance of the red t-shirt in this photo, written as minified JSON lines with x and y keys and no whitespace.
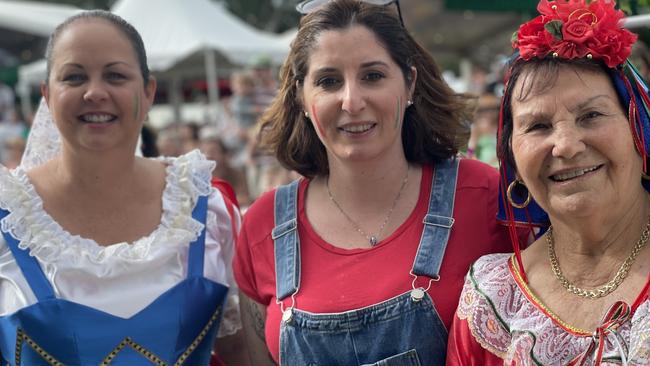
{"x":336,"y":280}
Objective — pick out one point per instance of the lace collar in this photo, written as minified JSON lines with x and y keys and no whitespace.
{"x":187,"y":178}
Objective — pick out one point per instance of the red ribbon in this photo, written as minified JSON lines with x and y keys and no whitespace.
{"x":618,"y":314}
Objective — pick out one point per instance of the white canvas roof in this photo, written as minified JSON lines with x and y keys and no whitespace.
{"x":33,"y":17}
{"x":174,"y":29}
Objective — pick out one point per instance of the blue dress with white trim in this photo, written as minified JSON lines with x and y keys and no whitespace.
{"x":177,"y":328}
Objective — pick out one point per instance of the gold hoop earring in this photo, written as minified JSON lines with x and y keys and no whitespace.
{"x":514,"y":204}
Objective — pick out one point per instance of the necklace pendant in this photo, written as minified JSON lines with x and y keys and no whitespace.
{"x":372,"y":240}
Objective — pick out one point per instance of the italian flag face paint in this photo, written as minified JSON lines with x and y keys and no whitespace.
{"x":136,"y":106}
{"x":317,"y":121}
{"x":398,"y":113}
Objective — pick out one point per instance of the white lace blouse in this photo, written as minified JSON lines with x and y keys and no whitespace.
{"x":123,"y":278}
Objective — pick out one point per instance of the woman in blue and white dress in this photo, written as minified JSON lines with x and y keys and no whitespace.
{"x":106,"y":257}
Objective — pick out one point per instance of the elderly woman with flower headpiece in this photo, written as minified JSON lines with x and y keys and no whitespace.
{"x":574,"y":139}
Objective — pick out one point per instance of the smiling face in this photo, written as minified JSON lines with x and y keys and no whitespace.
{"x":573,"y":147}
{"x":95,"y":92}
{"x":355,"y":95}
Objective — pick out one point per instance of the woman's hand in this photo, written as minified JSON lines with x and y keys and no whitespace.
{"x":253,"y":316}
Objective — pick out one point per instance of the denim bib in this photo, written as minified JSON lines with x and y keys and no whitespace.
{"x":178,"y":328}
{"x":401,"y":331}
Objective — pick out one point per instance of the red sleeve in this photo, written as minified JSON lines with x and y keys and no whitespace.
{"x":253,"y":265}
{"x":226,"y":190}
{"x":243,"y":268}
{"x":464,"y":350}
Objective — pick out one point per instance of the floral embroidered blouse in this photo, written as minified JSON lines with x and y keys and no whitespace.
{"x":499,"y":321}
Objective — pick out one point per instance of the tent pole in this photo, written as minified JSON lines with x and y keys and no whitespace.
{"x":175,"y":97}
{"x":211,"y":78}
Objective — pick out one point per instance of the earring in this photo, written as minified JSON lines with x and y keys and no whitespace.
{"x":306,"y":114}
{"x":409,"y":103}
{"x":509,"y":194}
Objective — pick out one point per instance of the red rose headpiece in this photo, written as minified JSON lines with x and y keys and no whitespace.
{"x":574,"y":29}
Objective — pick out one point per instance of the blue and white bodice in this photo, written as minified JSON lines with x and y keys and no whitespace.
{"x":64,"y":300}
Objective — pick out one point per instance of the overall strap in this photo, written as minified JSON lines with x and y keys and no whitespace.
{"x":32,"y":271}
{"x":197,"y":247}
{"x":286,"y":241}
{"x":438,"y":221}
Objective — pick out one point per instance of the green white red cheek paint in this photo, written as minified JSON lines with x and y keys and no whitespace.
{"x":317,"y":121}
{"x":136,"y":107}
{"x":398,"y":113}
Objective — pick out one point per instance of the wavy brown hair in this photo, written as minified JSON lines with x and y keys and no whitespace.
{"x":434,"y":127}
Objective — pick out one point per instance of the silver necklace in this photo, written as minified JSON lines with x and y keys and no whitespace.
{"x":372,"y":239}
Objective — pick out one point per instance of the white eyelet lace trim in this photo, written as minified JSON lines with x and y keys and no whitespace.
{"x":188,"y":177}
{"x":504,"y":322}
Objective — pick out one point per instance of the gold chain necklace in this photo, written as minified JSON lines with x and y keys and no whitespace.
{"x":372,"y":239}
{"x":610,"y":286}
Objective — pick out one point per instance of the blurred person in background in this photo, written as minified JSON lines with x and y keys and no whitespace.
{"x":7,"y":101}
{"x":13,"y":152}
{"x":188,"y":133}
{"x":214,"y":149}
{"x":168,"y":142}
{"x":339,"y":267}
{"x":243,"y":106}
{"x":11,"y":128}
{"x":482,"y":143}
{"x":107,"y":257}
{"x":266,"y":85}
{"x":244,"y":112}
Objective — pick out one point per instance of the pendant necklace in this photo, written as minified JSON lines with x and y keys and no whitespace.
{"x":372,"y":239}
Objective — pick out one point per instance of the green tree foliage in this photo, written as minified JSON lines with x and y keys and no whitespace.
{"x":271,"y":15}
{"x":634,"y":7}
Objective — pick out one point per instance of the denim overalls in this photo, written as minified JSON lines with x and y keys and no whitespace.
{"x":176,"y":329}
{"x":405,"y":330}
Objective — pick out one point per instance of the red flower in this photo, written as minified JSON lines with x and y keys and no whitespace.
{"x":532,"y":38}
{"x":575,"y":29}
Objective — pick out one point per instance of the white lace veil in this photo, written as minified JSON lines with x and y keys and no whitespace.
{"x":44,"y":140}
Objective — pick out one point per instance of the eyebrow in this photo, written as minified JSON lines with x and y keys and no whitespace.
{"x":373,"y":63}
{"x":589,"y":101}
{"x":538,"y":114}
{"x":79,"y":66}
{"x":364,"y":65}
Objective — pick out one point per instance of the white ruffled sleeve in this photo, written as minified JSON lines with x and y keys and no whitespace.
{"x":222,"y":229}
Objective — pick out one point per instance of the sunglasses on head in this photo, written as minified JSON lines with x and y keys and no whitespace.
{"x":309,"y":6}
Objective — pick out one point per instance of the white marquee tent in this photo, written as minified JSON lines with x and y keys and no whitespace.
{"x":175,"y":32}
{"x":174,"y":29}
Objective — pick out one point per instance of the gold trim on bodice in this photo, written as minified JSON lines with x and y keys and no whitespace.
{"x":22,"y":337}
